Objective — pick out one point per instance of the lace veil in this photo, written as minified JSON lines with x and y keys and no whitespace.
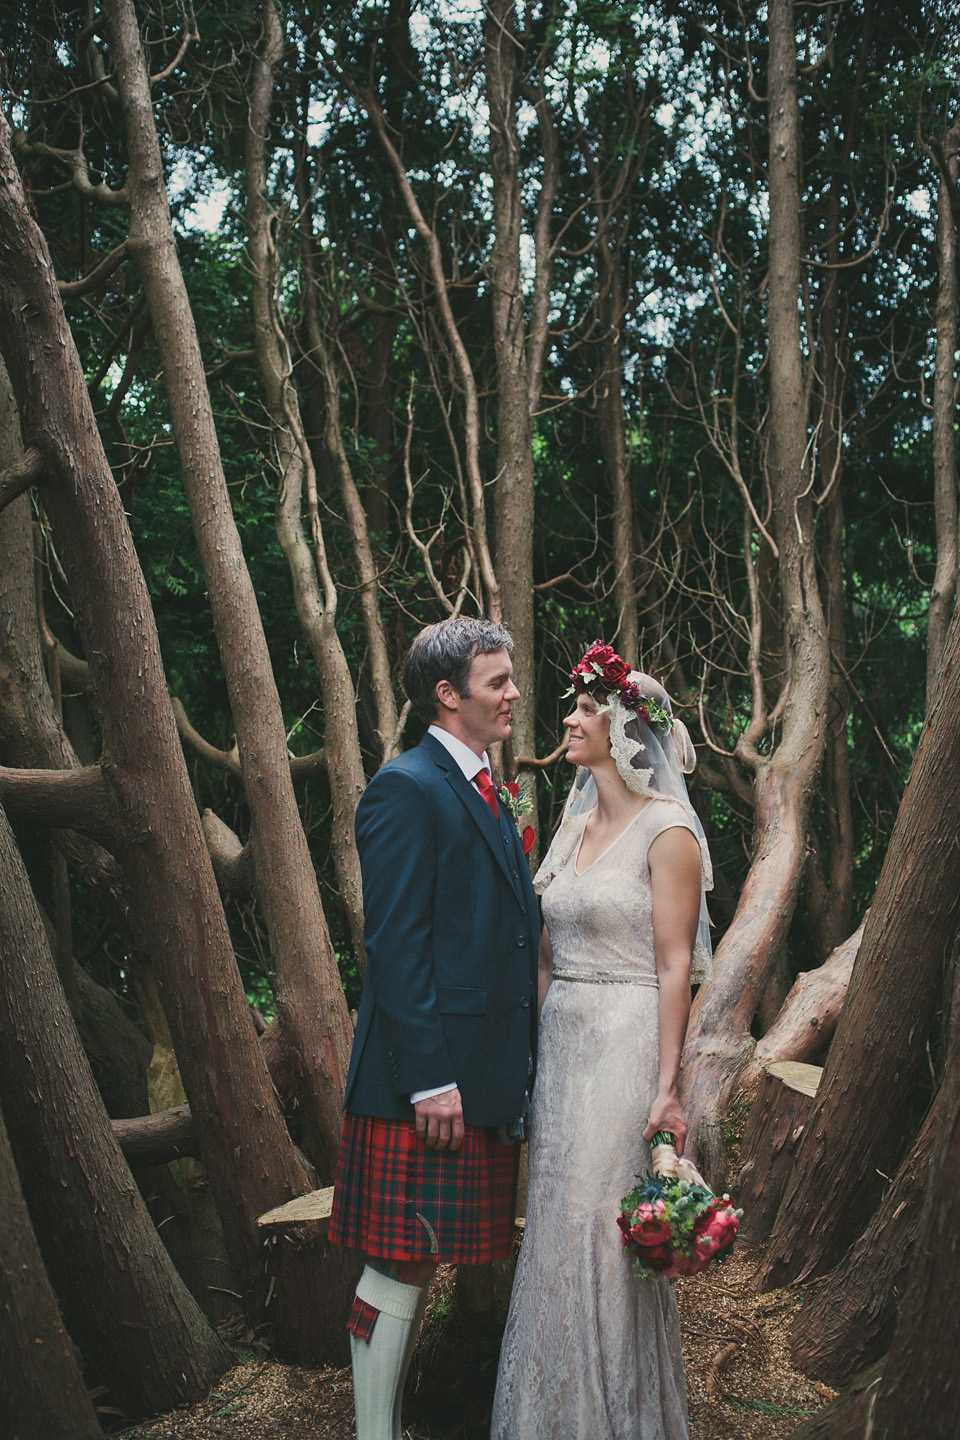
{"x":651,"y":764}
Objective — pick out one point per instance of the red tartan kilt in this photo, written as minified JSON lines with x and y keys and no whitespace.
{"x":387,"y":1178}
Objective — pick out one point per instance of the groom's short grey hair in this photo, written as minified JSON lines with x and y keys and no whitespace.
{"x":445,"y":651}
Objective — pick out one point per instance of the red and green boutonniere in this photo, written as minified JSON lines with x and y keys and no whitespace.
{"x":512,"y":798}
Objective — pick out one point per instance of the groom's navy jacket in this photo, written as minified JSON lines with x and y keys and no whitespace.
{"x":451,"y":932}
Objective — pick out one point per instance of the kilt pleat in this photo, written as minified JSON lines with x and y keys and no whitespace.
{"x":394,"y":1199}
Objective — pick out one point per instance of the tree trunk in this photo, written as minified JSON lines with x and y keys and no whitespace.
{"x":879,"y":1056}
{"x":43,"y":1393}
{"x":310,"y":1003}
{"x":848,"y":1318}
{"x":833,"y":917}
{"x":944,"y":417}
{"x":249,"y":1158}
{"x":613,"y":443}
{"x":31,"y":732}
{"x":719,"y":1043}
{"x":314,"y":589}
{"x":124,"y":1302}
{"x":777,"y":1119}
{"x":519,"y":348}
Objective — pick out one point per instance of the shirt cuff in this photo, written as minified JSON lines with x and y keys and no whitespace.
{"x":429,"y":1094}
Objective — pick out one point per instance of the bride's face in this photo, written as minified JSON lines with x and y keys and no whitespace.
{"x":588,"y":733}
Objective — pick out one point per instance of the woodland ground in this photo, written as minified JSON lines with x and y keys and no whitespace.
{"x":740,"y":1381}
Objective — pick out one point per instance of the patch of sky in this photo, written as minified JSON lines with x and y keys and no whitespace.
{"x":212,"y":195}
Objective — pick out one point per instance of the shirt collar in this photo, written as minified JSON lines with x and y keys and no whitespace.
{"x":468,"y":760}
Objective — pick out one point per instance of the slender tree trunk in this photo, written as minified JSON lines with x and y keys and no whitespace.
{"x":311,"y":1008}
{"x":514,"y":507}
{"x":381,"y":376}
{"x":613,"y":443}
{"x":834,"y":916}
{"x":519,"y":347}
{"x":878,"y":1057}
{"x":944,"y":417}
{"x":314,"y":589}
{"x":719,"y":1043}
{"x":142,"y":782}
{"x":123,"y":1300}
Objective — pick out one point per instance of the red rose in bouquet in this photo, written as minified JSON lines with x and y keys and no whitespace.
{"x":672,"y":1223}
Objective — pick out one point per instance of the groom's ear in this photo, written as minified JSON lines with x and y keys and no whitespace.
{"x":446,"y":695}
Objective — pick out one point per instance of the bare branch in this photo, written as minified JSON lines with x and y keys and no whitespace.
{"x":76,"y":163}
{"x":72,"y":289}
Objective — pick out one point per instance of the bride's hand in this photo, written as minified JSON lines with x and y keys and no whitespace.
{"x":665,"y":1114}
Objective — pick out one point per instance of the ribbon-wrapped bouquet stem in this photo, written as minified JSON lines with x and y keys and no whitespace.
{"x":671,"y":1223}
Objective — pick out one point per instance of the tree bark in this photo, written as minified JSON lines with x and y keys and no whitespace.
{"x":848,"y":1317}
{"x":249,"y":1158}
{"x":123,"y":1300}
{"x":43,"y":1393}
{"x":879,"y":1057}
{"x":920,"y":1392}
{"x":310,"y":1002}
{"x":719,"y":1043}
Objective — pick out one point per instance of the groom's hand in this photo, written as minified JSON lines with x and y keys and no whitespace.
{"x":440,"y":1121}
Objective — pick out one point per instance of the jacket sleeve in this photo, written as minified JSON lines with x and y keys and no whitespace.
{"x":397,"y":839}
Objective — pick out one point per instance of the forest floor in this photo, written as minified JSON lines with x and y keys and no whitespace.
{"x":741,"y":1384}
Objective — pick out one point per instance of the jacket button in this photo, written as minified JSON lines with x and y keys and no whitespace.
{"x":521,"y":940}
{"x":525,"y":1002}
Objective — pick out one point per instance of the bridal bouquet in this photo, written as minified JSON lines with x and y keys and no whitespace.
{"x":672,"y":1223}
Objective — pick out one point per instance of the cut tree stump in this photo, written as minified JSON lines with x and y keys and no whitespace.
{"x":295,"y":1236}
{"x":313,"y":1207}
{"x":777,"y":1119}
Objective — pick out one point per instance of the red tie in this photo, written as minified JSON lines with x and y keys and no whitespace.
{"x":486,"y":787}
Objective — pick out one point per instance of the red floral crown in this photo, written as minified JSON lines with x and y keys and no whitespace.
{"x":603,"y":669}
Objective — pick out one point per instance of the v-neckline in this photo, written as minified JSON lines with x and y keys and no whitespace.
{"x":576,"y":856}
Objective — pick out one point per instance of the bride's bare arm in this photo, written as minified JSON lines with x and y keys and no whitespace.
{"x":544,"y":967}
{"x":674,"y":860}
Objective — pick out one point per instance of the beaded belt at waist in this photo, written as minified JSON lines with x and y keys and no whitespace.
{"x":606,"y":977}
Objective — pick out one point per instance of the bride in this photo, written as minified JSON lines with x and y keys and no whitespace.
{"x":589,"y":1350}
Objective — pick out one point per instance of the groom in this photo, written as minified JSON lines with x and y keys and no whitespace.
{"x":446,"y":1033}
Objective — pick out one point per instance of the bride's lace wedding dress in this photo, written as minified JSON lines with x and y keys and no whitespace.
{"x":590,"y":1352}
